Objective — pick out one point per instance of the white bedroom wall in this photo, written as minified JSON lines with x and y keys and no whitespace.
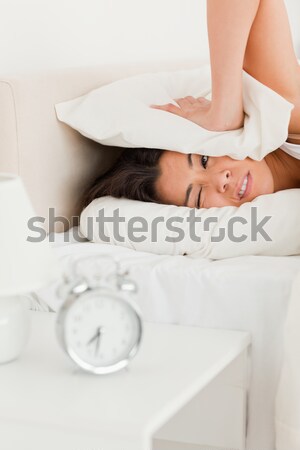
{"x":39,"y":34}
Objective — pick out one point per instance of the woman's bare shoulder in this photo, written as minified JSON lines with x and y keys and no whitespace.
{"x":293,"y":138}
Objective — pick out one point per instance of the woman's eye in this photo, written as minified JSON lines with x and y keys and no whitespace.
{"x":204,"y":160}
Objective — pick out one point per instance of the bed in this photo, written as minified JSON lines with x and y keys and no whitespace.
{"x":246,"y":293}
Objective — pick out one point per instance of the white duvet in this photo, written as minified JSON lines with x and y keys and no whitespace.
{"x":244,"y":293}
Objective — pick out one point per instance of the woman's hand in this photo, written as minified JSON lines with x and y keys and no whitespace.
{"x":200,"y":111}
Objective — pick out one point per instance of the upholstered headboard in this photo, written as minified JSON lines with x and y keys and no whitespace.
{"x":55,"y":162}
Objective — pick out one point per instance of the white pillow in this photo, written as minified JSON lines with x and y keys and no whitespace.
{"x":269,"y":225}
{"x":118,"y":114}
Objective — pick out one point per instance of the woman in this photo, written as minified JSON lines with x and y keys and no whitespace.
{"x":253,"y":35}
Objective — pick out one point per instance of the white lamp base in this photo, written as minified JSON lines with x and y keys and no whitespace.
{"x":14,"y":327}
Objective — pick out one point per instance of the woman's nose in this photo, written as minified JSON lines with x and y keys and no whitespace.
{"x":223,"y":180}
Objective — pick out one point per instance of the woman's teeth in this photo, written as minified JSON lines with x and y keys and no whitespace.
{"x":243,"y":188}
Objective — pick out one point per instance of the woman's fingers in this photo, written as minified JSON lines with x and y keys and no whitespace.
{"x":169,"y":107}
{"x":191,"y":99}
{"x":197,"y":110}
{"x":188,"y":107}
{"x":202,"y":100}
{"x":185,"y":101}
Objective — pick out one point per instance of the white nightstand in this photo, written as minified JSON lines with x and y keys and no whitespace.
{"x":186,"y":385}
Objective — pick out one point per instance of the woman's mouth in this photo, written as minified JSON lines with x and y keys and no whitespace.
{"x":245,"y":186}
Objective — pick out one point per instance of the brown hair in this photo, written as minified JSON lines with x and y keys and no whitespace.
{"x":133,"y":176}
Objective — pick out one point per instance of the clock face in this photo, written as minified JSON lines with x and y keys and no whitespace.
{"x":101,"y":331}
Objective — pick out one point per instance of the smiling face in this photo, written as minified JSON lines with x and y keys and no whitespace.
{"x":199,"y":181}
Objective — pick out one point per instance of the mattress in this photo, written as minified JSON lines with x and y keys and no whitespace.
{"x":248,"y":293}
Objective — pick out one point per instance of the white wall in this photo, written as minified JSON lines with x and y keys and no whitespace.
{"x":39,"y":34}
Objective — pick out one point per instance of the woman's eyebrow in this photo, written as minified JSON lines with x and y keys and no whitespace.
{"x":190,"y":161}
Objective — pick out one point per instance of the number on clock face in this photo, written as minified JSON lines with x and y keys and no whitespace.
{"x":101,"y":330}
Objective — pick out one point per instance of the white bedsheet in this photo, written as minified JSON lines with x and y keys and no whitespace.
{"x":244,"y":293}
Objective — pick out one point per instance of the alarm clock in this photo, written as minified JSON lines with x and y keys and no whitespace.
{"x":98,"y":326}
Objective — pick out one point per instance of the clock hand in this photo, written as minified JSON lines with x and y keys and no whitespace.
{"x":97,"y":343}
{"x":95,"y":336}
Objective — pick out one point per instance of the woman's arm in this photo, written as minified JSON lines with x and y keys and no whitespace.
{"x":270,"y":55}
{"x":229,"y":23}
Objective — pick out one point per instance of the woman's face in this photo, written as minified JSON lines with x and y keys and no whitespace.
{"x":199,"y":181}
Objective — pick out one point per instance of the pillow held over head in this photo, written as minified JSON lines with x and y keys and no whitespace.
{"x":119,"y":114}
